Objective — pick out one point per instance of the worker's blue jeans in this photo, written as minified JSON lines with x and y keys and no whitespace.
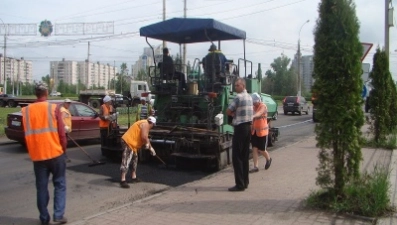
{"x":42,"y":170}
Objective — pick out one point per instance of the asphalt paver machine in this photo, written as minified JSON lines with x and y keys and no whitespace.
{"x":193,"y":129}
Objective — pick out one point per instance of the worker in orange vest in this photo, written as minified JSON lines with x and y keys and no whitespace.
{"x":67,"y":119}
{"x":136,"y":137}
{"x":259,"y":132}
{"x":105,"y":115}
{"x":46,"y":143}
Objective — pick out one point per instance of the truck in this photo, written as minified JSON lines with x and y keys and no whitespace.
{"x":94,"y":97}
{"x":13,"y":101}
{"x":192,"y":128}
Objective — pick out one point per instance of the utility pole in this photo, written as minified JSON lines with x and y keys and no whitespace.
{"x":88,"y":67}
{"x":18,"y":74}
{"x":388,"y":24}
{"x":164,"y":42}
{"x":184,"y":45}
{"x":5,"y":57}
{"x":114,"y":75}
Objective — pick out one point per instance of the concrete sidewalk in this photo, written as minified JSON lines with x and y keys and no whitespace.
{"x":274,"y":196}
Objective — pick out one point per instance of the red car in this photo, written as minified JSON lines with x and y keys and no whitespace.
{"x":85,"y":123}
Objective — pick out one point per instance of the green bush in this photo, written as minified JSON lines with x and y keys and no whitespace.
{"x":363,"y":196}
{"x":390,"y":142}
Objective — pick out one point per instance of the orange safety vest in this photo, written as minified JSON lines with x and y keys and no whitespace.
{"x":133,"y":136}
{"x":68,"y":119}
{"x":106,"y":112}
{"x":41,"y":131}
{"x":259,"y":125}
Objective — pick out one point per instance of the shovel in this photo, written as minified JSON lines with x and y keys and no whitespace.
{"x":94,"y":162}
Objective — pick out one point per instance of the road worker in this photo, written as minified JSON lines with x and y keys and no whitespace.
{"x":144,"y":110}
{"x":105,"y":113}
{"x":46,"y":143}
{"x":66,"y":115}
{"x":67,"y":119}
{"x":259,"y":133}
{"x":136,"y":137}
{"x":241,"y":109}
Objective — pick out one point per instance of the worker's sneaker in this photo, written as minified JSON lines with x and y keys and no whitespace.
{"x":135,"y":180}
{"x":254,"y":170}
{"x":62,"y":220}
{"x":124,"y":184}
{"x":268,"y":163}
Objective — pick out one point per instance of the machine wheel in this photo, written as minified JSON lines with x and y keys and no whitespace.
{"x":12,"y":104}
{"x":271,"y":139}
{"x":275,"y":116}
{"x":2,"y":103}
{"x":104,"y":152}
{"x":95,"y":104}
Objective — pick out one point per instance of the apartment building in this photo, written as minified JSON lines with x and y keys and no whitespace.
{"x":306,"y":71}
{"x":146,"y":59}
{"x":307,"y":66}
{"x":88,"y":73}
{"x":16,"y":70}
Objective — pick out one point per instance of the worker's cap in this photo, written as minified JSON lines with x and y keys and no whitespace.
{"x":152,"y":120}
{"x":256,"y":98}
{"x":41,"y":86}
{"x":107,"y":98}
{"x":212,"y":48}
{"x":68,"y":100}
{"x":143,"y":99}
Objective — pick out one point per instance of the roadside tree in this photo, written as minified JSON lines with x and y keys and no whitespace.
{"x":338,"y":85}
{"x":383,"y":98}
{"x":279,"y":79}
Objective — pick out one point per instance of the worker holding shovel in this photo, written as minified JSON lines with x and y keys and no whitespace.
{"x":136,"y":137}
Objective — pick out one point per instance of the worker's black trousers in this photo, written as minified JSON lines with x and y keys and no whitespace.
{"x":104,"y":135}
{"x":240,"y":154}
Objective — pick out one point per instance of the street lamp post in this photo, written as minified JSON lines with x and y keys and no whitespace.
{"x":5,"y":47}
{"x":299,"y":60}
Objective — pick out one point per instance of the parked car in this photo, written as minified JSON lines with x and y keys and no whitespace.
{"x":55,"y":94}
{"x":295,"y":104}
{"x":118,"y":100}
{"x":85,"y":123}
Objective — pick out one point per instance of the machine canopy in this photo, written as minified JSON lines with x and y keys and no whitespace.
{"x":191,"y":30}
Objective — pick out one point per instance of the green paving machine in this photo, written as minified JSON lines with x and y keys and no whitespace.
{"x":193,"y":129}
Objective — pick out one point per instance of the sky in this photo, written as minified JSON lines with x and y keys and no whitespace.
{"x":273,"y":28}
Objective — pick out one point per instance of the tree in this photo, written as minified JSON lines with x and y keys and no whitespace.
{"x":47,"y":80}
{"x":383,"y":97}
{"x":279,"y":79}
{"x":338,"y":85}
{"x":121,"y":83}
{"x":142,"y":75}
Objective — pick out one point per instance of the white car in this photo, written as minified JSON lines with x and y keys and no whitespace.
{"x":55,"y":94}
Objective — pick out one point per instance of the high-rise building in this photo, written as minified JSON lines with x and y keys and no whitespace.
{"x":88,"y":73}
{"x":146,"y":60}
{"x":16,"y":70}
{"x":306,"y":71}
{"x":307,"y":66}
